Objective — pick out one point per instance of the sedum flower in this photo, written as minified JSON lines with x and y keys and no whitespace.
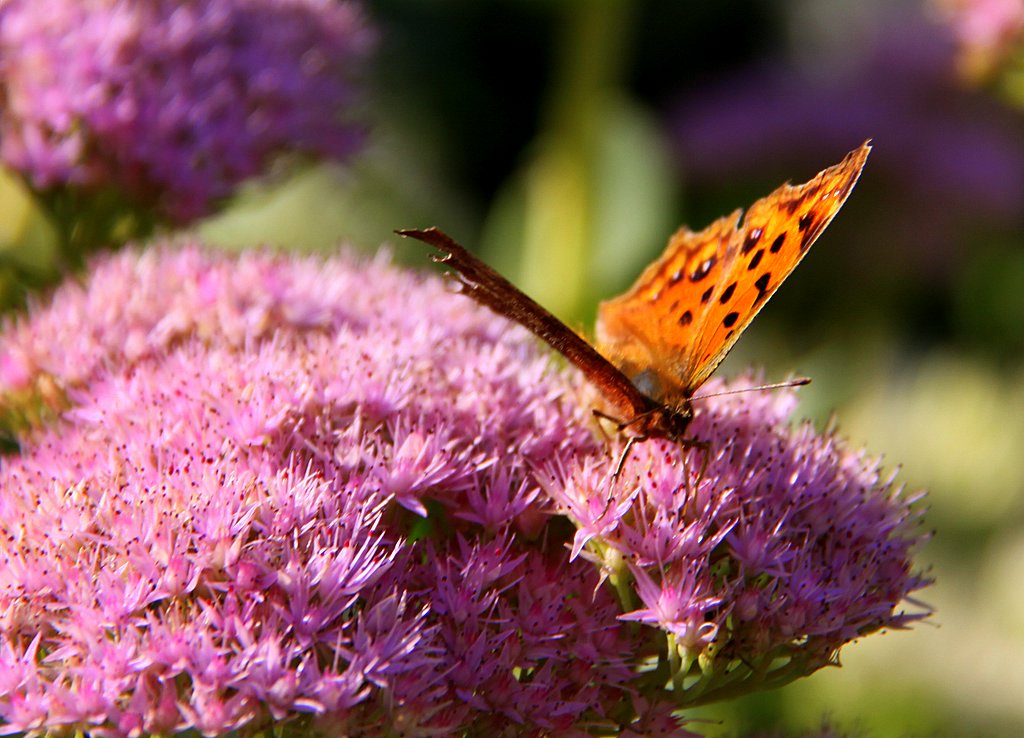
{"x":332,"y":496}
{"x":757,"y":557}
{"x":169,"y":104}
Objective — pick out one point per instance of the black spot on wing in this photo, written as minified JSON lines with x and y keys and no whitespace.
{"x":727,"y":295}
{"x":805,"y":221}
{"x":777,"y":243}
{"x":751,"y":240}
{"x":730,"y":320}
{"x":703,"y":269}
{"x":762,"y":286}
{"x":808,"y":236}
{"x":686,"y":318}
{"x":706,"y":296}
{"x":755,"y":260}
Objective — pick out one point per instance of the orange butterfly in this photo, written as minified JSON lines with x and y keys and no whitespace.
{"x":661,"y":340}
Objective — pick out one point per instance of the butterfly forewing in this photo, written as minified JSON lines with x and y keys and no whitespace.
{"x":661,"y":340}
{"x":687,"y":309}
{"x":775,"y":234}
{"x":642,"y":330}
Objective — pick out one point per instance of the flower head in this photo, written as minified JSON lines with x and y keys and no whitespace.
{"x":333,"y":494}
{"x":768,"y":544}
{"x":173,"y":104}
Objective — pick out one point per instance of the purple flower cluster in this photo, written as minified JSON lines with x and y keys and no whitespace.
{"x":172,"y":104}
{"x":333,"y":496}
{"x":758,"y":553}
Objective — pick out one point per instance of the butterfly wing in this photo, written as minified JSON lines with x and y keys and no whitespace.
{"x":489,"y":288}
{"x":677,"y":323}
{"x":648,"y":330}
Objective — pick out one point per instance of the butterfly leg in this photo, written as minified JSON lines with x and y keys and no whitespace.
{"x":620,"y":426}
{"x":705,"y":448}
{"x":605,"y":416}
{"x":630,"y":442}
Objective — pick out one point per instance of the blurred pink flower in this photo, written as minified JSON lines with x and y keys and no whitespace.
{"x":173,"y":104}
{"x":989,"y":32}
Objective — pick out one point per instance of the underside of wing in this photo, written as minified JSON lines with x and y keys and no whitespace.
{"x":489,"y":288}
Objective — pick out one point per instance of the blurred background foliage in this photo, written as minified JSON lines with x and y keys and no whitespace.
{"x":566,"y":139}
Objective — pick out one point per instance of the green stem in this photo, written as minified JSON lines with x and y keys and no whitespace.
{"x":559,"y":192}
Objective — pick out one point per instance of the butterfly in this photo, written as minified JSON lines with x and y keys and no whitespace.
{"x":660,"y":341}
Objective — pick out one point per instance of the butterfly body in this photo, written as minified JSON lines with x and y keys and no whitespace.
{"x":660,"y":341}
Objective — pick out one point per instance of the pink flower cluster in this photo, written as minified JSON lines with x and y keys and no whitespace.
{"x":333,"y":496}
{"x":169,"y":104}
{"x":758,"y":554}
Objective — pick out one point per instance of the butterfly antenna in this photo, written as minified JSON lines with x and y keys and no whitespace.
{"x":798,"y":382}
